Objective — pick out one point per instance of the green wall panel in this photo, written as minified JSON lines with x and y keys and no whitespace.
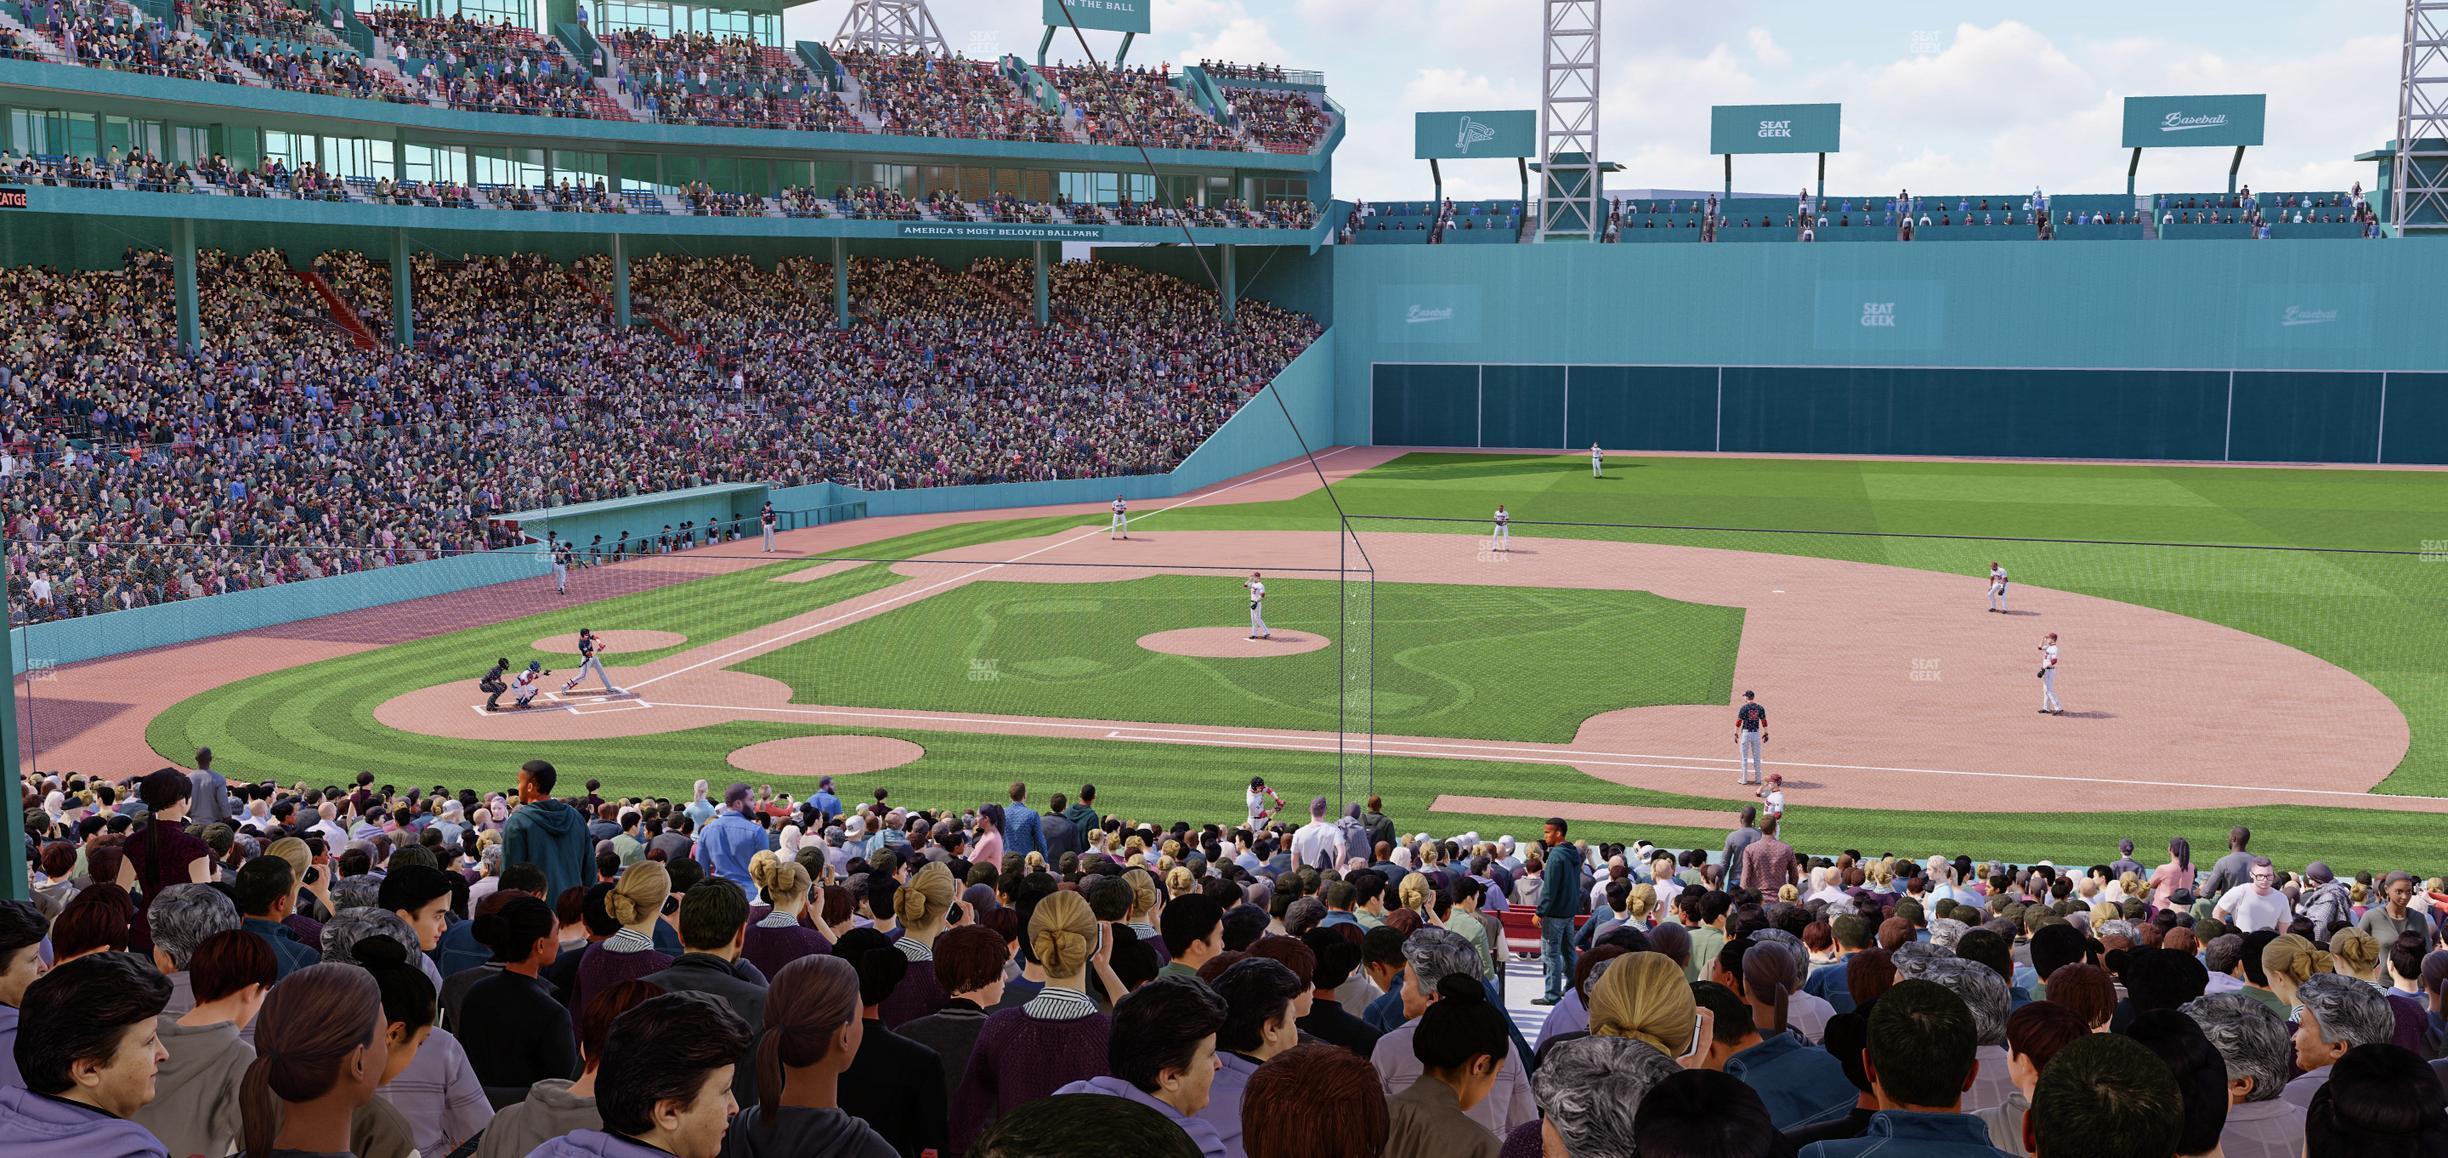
{"x":2006,"y":413}
{"x":2417,"y":419}
{"x":2306,"y":417}
{"x":1643,"y":407}
{"x":1522,"y":406}
{"x":1426,"y":405}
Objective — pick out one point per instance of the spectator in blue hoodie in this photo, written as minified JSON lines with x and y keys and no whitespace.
{"x":732,"y":839}
{"x":664,"y":1089}
{"x":548,"y":834}
{"x":88,"y":1048}
{"x":1022,"y":833}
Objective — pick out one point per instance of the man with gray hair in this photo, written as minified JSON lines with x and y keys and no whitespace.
{"x":182,"y":917}
{"x":1945,"y":931}
{"x":1913,"y":959}
{"x":1984,"y":993}
{"x":1590,"y":1088}
{"x":2339,"y":1013}
{"x":1429,"y":956}
{"x":2253,"y":1042}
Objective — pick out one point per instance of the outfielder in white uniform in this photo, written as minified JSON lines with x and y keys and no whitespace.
{"x":590,"y":659}
{"x":1597,"y":462}
{"x":765,"y":522}
{"x":1997,"y":586}
{"x":1503,"y":539}
{"x":1120,"y":527}
{"x":2048,"y":677}
{"x":1257,"y":596}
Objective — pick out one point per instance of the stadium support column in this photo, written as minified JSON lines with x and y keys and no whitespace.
{"x":841,"y":284}
{"x":12,"y":809}
{"x":403,"y":292}
{"x":620,"y":281}
{"x":183,"y":270}
{"x":1037,"y":262}
{"x":1232,"y":286}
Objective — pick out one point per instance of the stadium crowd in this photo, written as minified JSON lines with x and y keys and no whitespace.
{"x":209,"y":966}
{"x":925,"y":95}
{"x":1136,"y":105}
{"x":132,"y":473}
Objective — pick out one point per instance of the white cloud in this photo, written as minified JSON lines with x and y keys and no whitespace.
{"x":1765,"y":48}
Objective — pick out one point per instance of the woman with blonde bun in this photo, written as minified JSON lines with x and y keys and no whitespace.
{"x":1057,"y":1038}
{"x":783,"y":934}
{"x":1141,"y":920}
{"x":2290,"y":961}
{"x":1643,"y":996}
{"x":632,"y":906}
{"x":922,"y":907}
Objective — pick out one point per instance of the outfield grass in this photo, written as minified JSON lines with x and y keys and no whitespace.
{"x":1451,"y":660}
{"x":2380,"y":616}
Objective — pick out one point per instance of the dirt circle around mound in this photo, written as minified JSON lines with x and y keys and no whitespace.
{"x":825,"y":755}
{"x":627,"y":639}
{"x":1230,"y":643}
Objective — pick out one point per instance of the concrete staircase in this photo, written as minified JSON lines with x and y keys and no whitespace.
{"x":41,"y":44}
{"x":342,"y":314}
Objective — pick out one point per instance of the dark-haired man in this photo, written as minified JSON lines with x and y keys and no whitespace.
{"x":547,"y":833}
{"x":1193,"y":932}
{"x":714,"y":930}
{"x":88,"y":1047}
{"x":1163,"y":1055}
{"x":1559,"y":902}
{"x":266,"y":894}
{"x":2105,"y":1096}
{"x":1799,"y":1083}
{"x":664,"y":1088}
{"x":1918,"y":1058}
{"x":22,"y":929}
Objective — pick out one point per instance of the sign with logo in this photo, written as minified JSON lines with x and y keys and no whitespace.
{"x":1775,"y":128}
{"x":998,"y":231}
{"x":2308,"y":315}
{"x":1433,"y":315}
{"x":12,"y":198}
{"x":1501,"y":133}
{"x":1881,"y":315}
{"x":2194,"y":121}
{"x":1106,"y":15}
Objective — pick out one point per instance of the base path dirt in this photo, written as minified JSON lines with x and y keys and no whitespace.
{"x":825,"y":756}
{"x":1883,"y":684}
{"x":1231,"y":643}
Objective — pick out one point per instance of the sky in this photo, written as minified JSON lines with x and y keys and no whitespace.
{"x":1932,"y":100}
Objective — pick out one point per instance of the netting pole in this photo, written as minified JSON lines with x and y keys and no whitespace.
{"x":1342,"y":665}
{"x":12,"y":804}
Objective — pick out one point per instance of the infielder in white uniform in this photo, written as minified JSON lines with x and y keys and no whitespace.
{"x":765,"y":521}
{"x":1120,"y":527}
{"x":590,"y":659}
{"x":1597,"y":462}
{"x":1257,"y":596}
{"x":1503,"y":539}
{"x":2048,"y":677}
{"x":1997,"y":586}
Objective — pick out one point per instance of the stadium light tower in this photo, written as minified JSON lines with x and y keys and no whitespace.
{"x":2418,"y":183}
{"x":1569,"y":196}
{"x":891,"y":26}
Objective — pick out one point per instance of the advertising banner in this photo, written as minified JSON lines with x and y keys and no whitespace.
{"x":1500,"y":133}
{"x":1105,"y":15}
{"x":2194,"y":121}
{"x":1775,"y":128}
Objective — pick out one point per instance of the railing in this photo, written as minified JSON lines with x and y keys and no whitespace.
{"x":822,"y":516}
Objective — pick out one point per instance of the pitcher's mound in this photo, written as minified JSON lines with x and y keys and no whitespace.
{"x":1230,"y":642}
{"x":617,"y":641}
{"x":825,"y":755}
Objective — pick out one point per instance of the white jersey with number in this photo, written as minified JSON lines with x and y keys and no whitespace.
{"x":2048,"y":656}
{"x":1503,"y":518}
{"x":1257,"y":591}
{"x":1997,"y":576}
{"x":1120,"y":506}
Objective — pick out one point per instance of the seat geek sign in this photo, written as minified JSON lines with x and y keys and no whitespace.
{"x":2194,"y":121}
{"x":1775,"y":128}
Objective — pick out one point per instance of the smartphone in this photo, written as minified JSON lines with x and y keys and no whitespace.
{"x":1698,"y":1043}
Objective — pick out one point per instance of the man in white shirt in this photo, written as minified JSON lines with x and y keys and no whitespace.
{"x":2049,"y":706}
{"x":1317,"y":843}
{"x":2257,"y":905}
{"x":1257,"y":598}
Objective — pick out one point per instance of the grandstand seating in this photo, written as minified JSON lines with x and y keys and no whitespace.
{"x":287,"y":450}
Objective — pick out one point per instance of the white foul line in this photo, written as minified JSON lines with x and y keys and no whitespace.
{"x":884,"y":603}
{"x":1497,"y":753}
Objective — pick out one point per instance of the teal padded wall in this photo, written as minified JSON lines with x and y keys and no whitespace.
{"x":2306,"y":418}
{"x":1426,"y":405}
{"x":1521,"y":406}
{"x":2003,"y":413}
{"x":2417,"y":427}
{"x":1645,"y":407}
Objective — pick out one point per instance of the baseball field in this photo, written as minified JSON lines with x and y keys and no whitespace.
{"x":2256,"y":645}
